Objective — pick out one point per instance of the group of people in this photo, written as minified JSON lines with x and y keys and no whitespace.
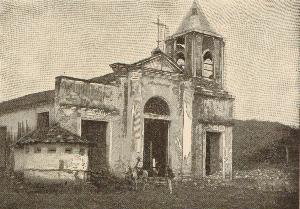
{"x":140,"y":173}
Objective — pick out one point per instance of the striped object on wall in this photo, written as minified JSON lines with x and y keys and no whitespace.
{"x":136,"y":125}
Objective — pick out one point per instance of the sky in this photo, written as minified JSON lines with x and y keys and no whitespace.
{"x":42,"y":39}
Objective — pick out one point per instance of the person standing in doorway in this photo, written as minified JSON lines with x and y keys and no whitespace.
{"x":170,"y":176}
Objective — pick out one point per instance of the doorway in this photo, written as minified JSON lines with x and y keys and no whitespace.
{"x":95,"y":132}
{"x":156,"y":145}
{"x":213,"y":160}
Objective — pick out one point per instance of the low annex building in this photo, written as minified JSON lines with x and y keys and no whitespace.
{"x":170,"y":109}
{"x":51,"y":153}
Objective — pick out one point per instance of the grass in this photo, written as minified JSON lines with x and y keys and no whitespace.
{"x":230,"y":195}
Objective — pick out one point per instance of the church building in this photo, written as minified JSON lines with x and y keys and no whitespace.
{"x":169,"y":109}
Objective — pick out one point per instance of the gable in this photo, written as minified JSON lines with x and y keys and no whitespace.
{"x":160,"y":63}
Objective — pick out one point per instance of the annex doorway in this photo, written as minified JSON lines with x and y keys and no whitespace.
{"x":156,"y":133}
{"x":213,"y":160}
{"x":95,"y":132}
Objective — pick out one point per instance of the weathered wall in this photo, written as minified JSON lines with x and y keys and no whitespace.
{"x":227,"y":159}
{"x":187,"y":124}
{"x":218,"y":59}
{"x":78,"y":100}
{"x":47,"y":165}
{"x":212,"y":115}
{"x":80,"y":93}
{"x":22,"y":121}
{"x":19,"y":123}
{"x":212,"y":109}
{"x":198,"y":54}
{"x":189,"y":54}
{"x":170,"y":91}
{"x":225,"y":152}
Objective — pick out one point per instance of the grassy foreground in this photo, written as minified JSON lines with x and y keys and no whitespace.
{"x":186,"y":195}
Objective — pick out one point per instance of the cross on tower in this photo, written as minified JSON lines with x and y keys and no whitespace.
{"x":159,"y":24}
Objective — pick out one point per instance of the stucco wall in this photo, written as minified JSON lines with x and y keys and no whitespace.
{"x":123,"y":110}
{"x":171,"y":91}
{"x":19,"y":123}
{"x":212,"y":109}
{"x":47,"y":165}
{"x":225,"y":151}
{"x":27,"y":119}
{"x":90,"y":95}
{"x":77,"y":100}
{"x":212,"y":115}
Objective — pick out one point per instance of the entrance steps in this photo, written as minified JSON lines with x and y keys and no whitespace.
{"x":157,"y":180}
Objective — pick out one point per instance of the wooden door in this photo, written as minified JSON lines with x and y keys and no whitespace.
{"x":95,"y":132}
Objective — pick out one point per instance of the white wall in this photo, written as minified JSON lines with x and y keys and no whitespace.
{"x":26,"y":116}
{"x":46,"y":165}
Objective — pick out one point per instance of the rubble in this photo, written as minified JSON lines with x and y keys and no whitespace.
{"x":270,"y":179}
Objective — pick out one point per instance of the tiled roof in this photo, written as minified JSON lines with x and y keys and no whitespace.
{"x":53,"y":134}
{"x":28,"y":101}
{"x":195,"y":20}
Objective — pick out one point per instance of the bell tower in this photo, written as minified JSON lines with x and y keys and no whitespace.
{"x":196,"y":47}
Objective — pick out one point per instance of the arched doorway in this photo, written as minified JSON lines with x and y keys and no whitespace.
{"x":156,"y":131}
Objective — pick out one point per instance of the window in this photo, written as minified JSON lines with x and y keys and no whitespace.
{"x":27,"y":149}
{"x":43,"y":120}
{"x":208,"y":65}
{"x":68,"y":150}
{"x":81,"y":151}
{"x":194,"y":11}
{"x":37,"y":149}
{"x":52,"y":150}
{"x":61,"y":164}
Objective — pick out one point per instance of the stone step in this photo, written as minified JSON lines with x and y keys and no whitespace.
{"x":157,"y":180}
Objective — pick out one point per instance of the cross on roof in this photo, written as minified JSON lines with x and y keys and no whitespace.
{"x":159,"y":24}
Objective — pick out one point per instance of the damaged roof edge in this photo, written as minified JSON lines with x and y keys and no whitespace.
{"x":97,"y":80}
{"x":52,"y":134}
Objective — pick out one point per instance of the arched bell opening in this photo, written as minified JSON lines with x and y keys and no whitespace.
{"x":208,"y":65}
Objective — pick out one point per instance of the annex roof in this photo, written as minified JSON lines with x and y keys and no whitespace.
{"x":53,"y":134}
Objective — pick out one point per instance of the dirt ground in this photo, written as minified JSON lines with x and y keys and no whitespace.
{"x":240,"y":193}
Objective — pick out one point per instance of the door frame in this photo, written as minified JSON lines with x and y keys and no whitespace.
{"x":221,"y":131}
{"x":108,"y":139}
{"x":168,"y":121}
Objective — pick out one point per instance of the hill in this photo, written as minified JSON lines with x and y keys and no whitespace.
{"x":259,"y":142}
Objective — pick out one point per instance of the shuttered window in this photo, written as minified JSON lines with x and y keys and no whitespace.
{"x":43,"y":120}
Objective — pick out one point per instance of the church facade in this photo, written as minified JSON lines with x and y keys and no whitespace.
{"x":170,"y":109}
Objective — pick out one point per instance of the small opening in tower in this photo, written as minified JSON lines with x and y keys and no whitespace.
{"x":208,"y":65}
{"x":180,"y":40}
{"x":180,"y":60}
{"x":194,"y":11}
{"x":180,"y":44}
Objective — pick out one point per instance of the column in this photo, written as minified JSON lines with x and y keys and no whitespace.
{"x":188,"y":96}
